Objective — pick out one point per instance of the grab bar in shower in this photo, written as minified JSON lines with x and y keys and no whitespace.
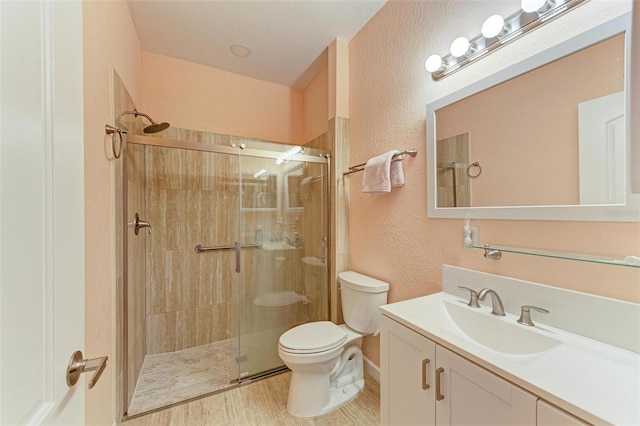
{"x":200,"y":249}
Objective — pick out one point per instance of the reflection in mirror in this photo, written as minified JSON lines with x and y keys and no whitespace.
{"x":526,"y":134}
{"x":453,"y":182}
{"x":259,"y":191}
{"x":548,"y":133}
{"x":293,"y":182}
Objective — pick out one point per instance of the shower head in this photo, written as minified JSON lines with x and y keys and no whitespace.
{"x":156,"y":127}
{"x":151,"y":128}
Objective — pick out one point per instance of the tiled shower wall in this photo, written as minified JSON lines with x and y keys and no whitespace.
{"x":192,"y":198}
{"x":316,"y":233}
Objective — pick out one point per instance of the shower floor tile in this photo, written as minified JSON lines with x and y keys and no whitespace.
{"x":176,"y":376}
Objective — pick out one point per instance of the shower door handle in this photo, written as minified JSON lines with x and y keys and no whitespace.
{"x":237,"y":257}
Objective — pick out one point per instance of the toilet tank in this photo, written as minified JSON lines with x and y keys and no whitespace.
{"x":361,"y":296}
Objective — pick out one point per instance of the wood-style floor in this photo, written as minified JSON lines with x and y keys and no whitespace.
{"x":263,"y":403}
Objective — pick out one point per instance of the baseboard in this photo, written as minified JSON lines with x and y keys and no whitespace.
{"x":371,"y":369}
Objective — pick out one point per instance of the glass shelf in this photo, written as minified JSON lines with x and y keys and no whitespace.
{"x":562,"y":255}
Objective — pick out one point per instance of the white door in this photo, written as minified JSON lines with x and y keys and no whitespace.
{"x":603,"y":150}
{"x":41,"y":211}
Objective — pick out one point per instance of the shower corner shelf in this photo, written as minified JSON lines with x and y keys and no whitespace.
{"x":557,"y":255}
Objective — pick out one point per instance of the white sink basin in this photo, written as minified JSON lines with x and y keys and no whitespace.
{"x":500,"y":334}
{"x":496,"y":333}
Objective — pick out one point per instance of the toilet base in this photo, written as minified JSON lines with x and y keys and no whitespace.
{"x":337,"y":398}
{"x":326,"y":387}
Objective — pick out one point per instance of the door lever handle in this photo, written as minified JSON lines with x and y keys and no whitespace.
{"x":137,"y":224}
{"x":78,"y":365}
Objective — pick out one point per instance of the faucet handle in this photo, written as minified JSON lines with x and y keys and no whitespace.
{"x":525,"y":314}
{"x":473,"y":297}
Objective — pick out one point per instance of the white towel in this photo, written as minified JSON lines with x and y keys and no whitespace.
{"x":381,"y":174}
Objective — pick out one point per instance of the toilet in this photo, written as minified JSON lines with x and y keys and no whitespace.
{"x":326,"y":359}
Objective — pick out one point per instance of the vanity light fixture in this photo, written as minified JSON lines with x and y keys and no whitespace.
{"x":497,"y":32}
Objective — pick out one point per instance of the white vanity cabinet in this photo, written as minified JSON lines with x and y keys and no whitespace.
{"x":423,"y":383}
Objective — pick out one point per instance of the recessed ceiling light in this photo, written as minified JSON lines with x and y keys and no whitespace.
{"x":240,"y":50}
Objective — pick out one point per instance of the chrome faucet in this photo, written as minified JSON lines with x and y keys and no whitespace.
{"x":525,"y":314}
{"x":496,"y":303}
{"x":473,"y":297}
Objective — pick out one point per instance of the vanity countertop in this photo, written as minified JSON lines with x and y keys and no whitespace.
{"x":596,"y":381}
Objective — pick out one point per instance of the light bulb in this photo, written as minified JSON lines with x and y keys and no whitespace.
{"x":532,"y":5}
{"x":493,"y":26}
{"x":433,"y":63}
{"x":260,"y":173}
{"x":459,"y":47}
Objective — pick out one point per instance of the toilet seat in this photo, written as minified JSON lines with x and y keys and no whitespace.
{"x":313,"y":337}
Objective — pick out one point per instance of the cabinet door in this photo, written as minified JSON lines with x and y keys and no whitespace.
{"x":550,"y":415}
{"x":472,"y":395}
{"x":406,"y":376}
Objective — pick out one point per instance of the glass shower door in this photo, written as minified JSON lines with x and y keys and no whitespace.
{"x":181,"y":302}
{"x":284,"y":269}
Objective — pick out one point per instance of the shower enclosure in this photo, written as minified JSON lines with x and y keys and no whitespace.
{"x":225,"y":247}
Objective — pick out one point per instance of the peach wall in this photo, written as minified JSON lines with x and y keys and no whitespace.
{"x":539,"y":148}
{"x":635,"y":99}
{"x":391,"y":236}
{"x":316,"y":106}
{"x":109,"y":38}
{"x":196,"y":97}
{"x":338,"y":59}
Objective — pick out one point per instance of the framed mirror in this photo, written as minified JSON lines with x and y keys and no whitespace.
{"x":545,"y":139}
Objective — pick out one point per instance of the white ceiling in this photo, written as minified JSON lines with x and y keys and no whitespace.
{"x":286,"y":37}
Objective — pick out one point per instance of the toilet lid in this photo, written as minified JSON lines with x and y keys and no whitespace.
{"x":313,"y":337}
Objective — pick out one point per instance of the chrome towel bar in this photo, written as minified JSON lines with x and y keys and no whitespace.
{"x":200,"y":249}
{"x":396,"y":157}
